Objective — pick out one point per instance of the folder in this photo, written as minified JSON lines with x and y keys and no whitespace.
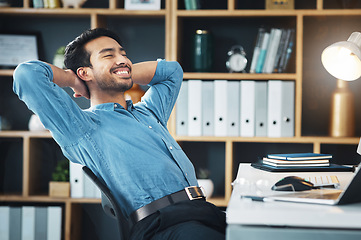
{"x":15,"y":222}
{"x":182,"y":111}
{"x":274,"y":108}
{"x":233,"y":104}
{"x":207,"y":108}
{"x":280,"y":108}
{"x":54,"y":223}
{"x":28,"y":223}
{"x":194,"y":107}
{"x":288,"y":109}
{"x":76,"y":177}
{"x":247,"y":116}
{"x":5,"y":222}
{"x":41,"y":220}
{"x":89,"y":190}
{"x":261,"y":109}
{"x":220,"y":108}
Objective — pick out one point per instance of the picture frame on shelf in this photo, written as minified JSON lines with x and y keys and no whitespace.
{"x":17,"y":48}
{"x":142,"y":4}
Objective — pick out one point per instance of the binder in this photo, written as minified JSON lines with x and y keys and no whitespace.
{"x":274,"y":108}
{"x":182,"y":111}
{"x":280,"y":108}
{"x":5,"y":222}
{"x":15,"y":223}
{"x":247,"y":108}
{"x":261,"y":109}
{"x":54,"y":223}
{"x":28,"y":223}
{"x":220,"y":108}
{"x":89,"y":190}
{"x":76,"y":178}
{"x":208,"y":108}
{"x":194,"y":107}
{"x":233,"y":104}
{"x":41,"y":220}
{"x":287,"y":109}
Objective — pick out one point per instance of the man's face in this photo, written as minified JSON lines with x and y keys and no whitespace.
{"x":111,"y":68}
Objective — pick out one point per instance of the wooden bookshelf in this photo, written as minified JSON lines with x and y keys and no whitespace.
{"x":174,"y":18}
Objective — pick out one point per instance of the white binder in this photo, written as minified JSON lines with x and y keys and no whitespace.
{"x":28,"y":223}
{"x":54,"y":223}
{"x":182,"y":111}
{"x":207,"y":108}
{"x":233,"y":104}
{"x":194,"y":107}
{"x":76,"y":177}
{"x":41,"y":220}
{"x":247,"y":108}
{"x":280,"y":108}
{"x":261,"y":109}
{"x":5,"y":222}
{"x":288,"y":109}
{"x":220,"y":108}
{"x":15,"y":222}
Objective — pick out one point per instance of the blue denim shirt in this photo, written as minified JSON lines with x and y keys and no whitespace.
{"x":131,"y":150}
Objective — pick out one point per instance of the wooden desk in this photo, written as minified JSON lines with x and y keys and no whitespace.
{"x":249,"y":219}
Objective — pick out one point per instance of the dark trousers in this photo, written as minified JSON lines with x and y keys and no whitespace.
{"x":186,"y":220}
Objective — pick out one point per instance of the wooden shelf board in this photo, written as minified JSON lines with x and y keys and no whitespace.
{"x":21,"y":134}
{"x":6,"y":72}
{"x":308,"y":139}
{"x":46,"y":198}
{"x":266,"y":13}
{"x":240,"y":76}
{"x":82,"y":12}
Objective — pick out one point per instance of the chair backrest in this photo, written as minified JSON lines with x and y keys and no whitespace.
{"x":110,"y":205}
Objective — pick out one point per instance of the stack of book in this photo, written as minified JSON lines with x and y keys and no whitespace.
{"x":298,"y":160}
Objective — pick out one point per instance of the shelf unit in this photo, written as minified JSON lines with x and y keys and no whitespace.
{"x":175,"y":22}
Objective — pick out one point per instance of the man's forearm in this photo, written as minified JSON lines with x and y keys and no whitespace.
{"x":143,"y":73}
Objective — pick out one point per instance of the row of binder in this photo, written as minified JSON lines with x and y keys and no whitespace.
{"x":30,"y":222}
{"x":243,"y":108}
{"x":81,"y":186}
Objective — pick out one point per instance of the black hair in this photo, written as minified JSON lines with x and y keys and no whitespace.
{"x":75,"y":54}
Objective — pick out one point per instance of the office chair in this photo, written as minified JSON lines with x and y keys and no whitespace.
{"x":109,"y":205}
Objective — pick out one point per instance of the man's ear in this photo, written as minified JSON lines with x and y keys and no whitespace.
{"x":84,"y":73}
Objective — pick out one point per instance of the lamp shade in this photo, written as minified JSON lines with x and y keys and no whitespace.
{"x":343,"y":59}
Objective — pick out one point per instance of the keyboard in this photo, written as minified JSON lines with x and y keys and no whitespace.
{"x":324,"y":181}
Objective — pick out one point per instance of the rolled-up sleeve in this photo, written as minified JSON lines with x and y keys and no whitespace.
{"x":165,"y":86}
{"x":57,"y":111}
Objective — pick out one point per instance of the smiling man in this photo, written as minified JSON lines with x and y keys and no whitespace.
{"x":126,"y":145}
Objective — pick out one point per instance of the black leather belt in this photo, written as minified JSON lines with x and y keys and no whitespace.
{"x":189,"y":193}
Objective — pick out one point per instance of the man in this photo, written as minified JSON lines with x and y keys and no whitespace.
{"x":128,"y":146}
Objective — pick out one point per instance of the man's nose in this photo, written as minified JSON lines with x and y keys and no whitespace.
{"x":120,"y":59}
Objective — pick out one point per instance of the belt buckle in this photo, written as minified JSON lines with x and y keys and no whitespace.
{"x":196,"y":195}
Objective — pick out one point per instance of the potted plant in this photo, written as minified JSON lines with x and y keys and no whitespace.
{"x":205,"y":182}
{"x":59,"y":186}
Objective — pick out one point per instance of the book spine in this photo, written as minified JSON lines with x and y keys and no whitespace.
{"x":262,"y":54}
{"x":257,"y":49}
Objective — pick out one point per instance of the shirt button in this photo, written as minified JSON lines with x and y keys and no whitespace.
{"x":150,"y":126}
{"x":115,"y":105}
{"x":170,"y":147}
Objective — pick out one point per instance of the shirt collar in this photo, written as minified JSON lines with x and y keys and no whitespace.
{"x":111,"y":106}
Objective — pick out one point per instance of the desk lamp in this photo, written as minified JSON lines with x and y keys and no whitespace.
{"x":343,"y":61}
